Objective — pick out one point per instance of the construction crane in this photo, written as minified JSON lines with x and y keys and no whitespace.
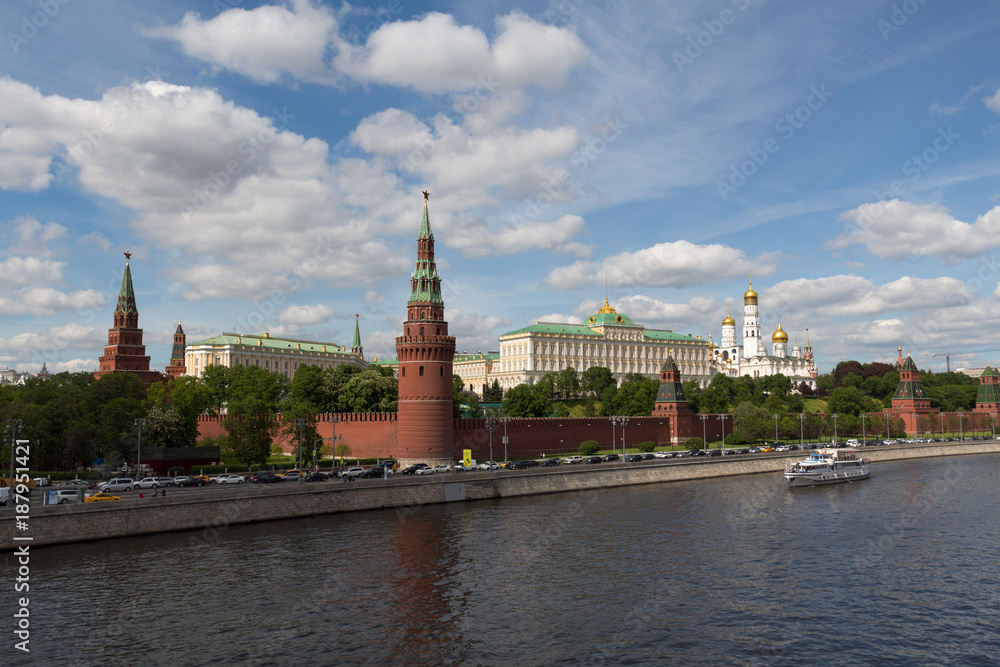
{"x":948,"y":355}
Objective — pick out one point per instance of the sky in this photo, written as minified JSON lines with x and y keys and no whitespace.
{"x":263,"y":163}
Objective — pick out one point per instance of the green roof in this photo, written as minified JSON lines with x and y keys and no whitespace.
{"x":610,"y":318}
{"x":266,"y":342}
{"x":493,"y":356}
{"x":126,"y":295}
{"x":587,"y":331}
{"x":563,"y":329}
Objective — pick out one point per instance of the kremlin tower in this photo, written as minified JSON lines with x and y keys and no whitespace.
{"x":425,"y":352}
{"x":125,"y":351}
{"x":176,"y":367}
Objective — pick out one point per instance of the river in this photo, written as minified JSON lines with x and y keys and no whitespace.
{"x":901,"y":569}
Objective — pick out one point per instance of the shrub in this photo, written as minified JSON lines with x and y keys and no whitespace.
{"x":589,"y":447}
{"x":647,"y":446}
{"x":694,"y":443}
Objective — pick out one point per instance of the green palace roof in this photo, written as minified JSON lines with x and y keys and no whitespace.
{"x":587,"y":332}
{"x":478,"y":356}
{"x":264,"y":341}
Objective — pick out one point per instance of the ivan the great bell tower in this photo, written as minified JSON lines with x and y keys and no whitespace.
{"x":425,"y":352}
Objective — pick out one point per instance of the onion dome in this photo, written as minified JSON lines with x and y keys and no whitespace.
{"x":729,"y":321}
{"x":750,"y":296}
{"x":779,"y":335}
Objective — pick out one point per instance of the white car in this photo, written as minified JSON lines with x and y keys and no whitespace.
{"x":444,"y":467}
{"x":149,"y":483}
{"x":352,"y":472}
{"x":425,"y":471}
{"x":229,"y":478}
{"x":573,"y":459}
{"x":488,"y":465}
{"x":663,"y":455}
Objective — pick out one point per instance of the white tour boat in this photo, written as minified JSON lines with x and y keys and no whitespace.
{"x":828,"y":466}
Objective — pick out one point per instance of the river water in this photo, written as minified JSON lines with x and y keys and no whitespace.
{"x":901,"y":569}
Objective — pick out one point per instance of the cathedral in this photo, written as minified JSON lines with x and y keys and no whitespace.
{"x":752,"y":358}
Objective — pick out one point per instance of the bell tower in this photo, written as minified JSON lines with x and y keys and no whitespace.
{"x":425,"y":352}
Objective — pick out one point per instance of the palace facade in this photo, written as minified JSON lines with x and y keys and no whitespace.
{"x":607,"y":338}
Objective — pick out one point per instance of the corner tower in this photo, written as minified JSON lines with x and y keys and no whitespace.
{"x":425,"y":352}
{"x":125,"y":351}
{"x":670,"y":402}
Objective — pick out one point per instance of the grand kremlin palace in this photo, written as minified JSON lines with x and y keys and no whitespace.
{"x":607,"y":338}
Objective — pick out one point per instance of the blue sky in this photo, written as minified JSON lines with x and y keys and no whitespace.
{"x":263,"y":163}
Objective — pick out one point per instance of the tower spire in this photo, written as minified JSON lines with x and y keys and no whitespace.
{"x":356,"y":348}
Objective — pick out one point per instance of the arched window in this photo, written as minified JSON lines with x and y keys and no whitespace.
{"x":421,"y":331}
{"x":442,"y":371}
{"x":421,"y":371}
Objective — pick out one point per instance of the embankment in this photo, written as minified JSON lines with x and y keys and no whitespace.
{"x":63,"y":524}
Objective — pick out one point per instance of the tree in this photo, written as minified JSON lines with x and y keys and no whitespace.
{"x":692,"y":392}
{"x":596,"y":379}
{"x":307,"y":388}
{"x":526,"y":401}
{"x":290,"y":429}
{"x":166,"y":428}
{"x":849,"y":401}
{"x":750,"y":423}
{"x":370,"y":391}
{"x":635,"y":396}
{"x":251,"y":433}
{"x":457,"y":384}
{"x":333,"y":383}
{"x":567,"y":382}
{"x":493,"y":393}
{"x":589,"y":447}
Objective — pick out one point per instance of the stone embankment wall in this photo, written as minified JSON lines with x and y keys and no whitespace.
{"x":61,"y":524}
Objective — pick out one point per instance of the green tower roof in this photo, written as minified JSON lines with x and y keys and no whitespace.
{"x":126,"y":295}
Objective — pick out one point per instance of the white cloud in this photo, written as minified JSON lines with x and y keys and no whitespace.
{"x":34,"y":348}
{"x":315,"y":314}
{"x":43,"y":301}
{"x":993,"y":102}
{"x":16,"y":272}
{"x":263,"y":43}
{"x":898,"y":229}
{"x":477,"y":240}
{"x":431,"y":54}
{"x":434,"y":54}
{"x":854,"y":296}
{"x":674,"y":264}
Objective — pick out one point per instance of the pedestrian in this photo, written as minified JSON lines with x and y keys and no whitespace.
{"x":140,"y":494}
{"x":155,"y":492}
{"x":164,"y":493}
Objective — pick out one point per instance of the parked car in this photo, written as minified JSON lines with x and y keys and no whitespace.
{"x":444,"y":467}
{"x":648,"y":456}
{"x":189,"y":481}
{"x":697,"y":452}
{"x":166,"y":481}
{"x":556,"y":461}
{"x":317,"y":477}
{"x":573,"y":459}
{"x":354,"y":471}
{"x":754,"y":450}
{"x":522,"y":465}
{"x":100,"y":496}
{"x":42,"y":481}
{"x":117,"y":484}
{"x":488,"y":465}
{"x":633,"y":458}
{"x":426,"y":470}
{"x":293,"y":474}
{"x":663,"y":455}
{"x":259,"y":478}
{"x":148,"y":483}
{"x":412,"y":470}
{"x":377,"y":472}
{"x":612,"y":457}
{"x":715,"y":452}
{"x":228,"y":478}
{"x":595,"y":459}
{"x":67,"y":496}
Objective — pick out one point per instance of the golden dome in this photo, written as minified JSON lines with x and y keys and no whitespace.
{"x":750,"y":296}
{"x":729,"y":321}
{"x":779,"y":335}
{"x":607,"y":308}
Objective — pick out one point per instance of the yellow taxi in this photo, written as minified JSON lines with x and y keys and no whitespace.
{"x":203,"y":478}
{"x":294,"y":474}
{"x":100,"y":497}
{"x":768,"y":448}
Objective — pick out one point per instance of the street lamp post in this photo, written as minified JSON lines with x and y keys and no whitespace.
{"x":624,"y":423}
{"x":505,"y":420}
{"x":333,"y":444}
{"x":776,"y":428}
{"x":961,"y":431}
{"x":613,"y":440}
{"x":722,"y":418}
{"x":941,"y":415}
{"x":491,"y":425}
{"x":140,"y":424}
{"x":704,"y":436}
{"x":300,"y":422}
{"x":801,"y":417}
{"x":835,"y":428}
{"x":915,"y":415}
{"x":864,"y":433}
{"x":15,"y":427}
{"x":994,"y":420}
